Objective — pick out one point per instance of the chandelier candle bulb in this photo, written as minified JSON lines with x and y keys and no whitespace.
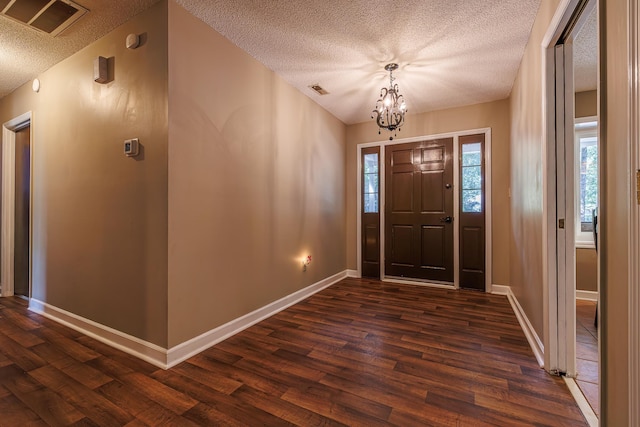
{"x":390,"y":108}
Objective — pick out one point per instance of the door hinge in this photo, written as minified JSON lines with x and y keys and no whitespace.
{"x":561,"y":223}
{"x":638,"y":186}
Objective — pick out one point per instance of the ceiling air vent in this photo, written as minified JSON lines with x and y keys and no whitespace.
{"x":319,"y":89}
{"x":49,"y":16}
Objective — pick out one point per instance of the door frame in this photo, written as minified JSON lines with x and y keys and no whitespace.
{"x":456,"y":203}
{"x":634,"y":222}
{"x":7,"y":214}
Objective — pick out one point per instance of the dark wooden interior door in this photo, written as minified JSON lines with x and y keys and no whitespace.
{"x":472,"y":212}
{"x":22,"y":208}
{"x":419,"y":210}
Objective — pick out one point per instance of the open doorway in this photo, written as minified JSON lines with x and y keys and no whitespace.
{"x":22,"y":210}
{"x":585,"y":76}
{"x":15,"y":259}
{"x":572,"y":202}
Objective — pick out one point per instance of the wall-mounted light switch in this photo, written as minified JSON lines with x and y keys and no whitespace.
{"x":131,"y":147}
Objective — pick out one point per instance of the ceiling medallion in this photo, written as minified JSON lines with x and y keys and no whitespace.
{"x":390,"y":108}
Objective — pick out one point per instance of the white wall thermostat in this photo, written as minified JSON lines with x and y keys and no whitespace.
{"x":131,"y":147}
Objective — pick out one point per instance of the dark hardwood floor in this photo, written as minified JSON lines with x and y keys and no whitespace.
{"x":358,"y":353}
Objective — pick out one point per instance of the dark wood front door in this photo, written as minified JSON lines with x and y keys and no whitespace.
{"x":419,"y":210}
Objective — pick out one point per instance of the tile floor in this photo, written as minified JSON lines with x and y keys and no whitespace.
{"x":587,"y":352}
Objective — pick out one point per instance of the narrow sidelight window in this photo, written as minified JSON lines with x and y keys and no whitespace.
{"x":472,"y":177}
{"x":370,"y":216}
{"x":472,"y":212}
{"x":371,"y":183}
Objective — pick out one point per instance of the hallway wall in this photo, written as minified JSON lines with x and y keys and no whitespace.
{"x":100,"y":218}
{"x":256,"y":183}
{"x":586,"y":269}
{"x":586,"y":103}
{"x":527,"y":154}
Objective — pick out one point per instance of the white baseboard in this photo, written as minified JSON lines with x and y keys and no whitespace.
{"x":144,"y":350}
{"x":500,"y":289}
{"x":161,"y":357}
{"x":353,"y":273}
{"x":532,"y":337}
{"x":183,"y":351}
{"x":584,"y":406}
{"x":587,"y":295}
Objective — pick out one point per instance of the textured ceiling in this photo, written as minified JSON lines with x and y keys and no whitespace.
{"x":25,"y":53}
{"x":585,"y":55}
{"x":450,"y":52}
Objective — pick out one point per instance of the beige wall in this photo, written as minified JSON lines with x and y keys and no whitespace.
{"x":256,"y":181}
{"x":100,"y":218}
{"x":586,"y":269}
{"x":494,"y":115}
{"x":615,"y":186}
{"x":527,"y":174}
{"x":586,"y":104}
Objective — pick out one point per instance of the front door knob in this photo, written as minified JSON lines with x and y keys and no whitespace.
{"x":446,"y":219}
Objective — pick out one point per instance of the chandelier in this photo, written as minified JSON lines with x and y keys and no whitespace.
{"x":390,"y":108}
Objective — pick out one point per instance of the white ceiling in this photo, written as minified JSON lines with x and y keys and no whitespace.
{"x":450,"y":52}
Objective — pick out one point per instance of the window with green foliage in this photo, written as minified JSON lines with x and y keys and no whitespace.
{"x":472,"y":177}
{"x":370,"y":183}
{"x":586,"y":140}
{"x":588,"y":180}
